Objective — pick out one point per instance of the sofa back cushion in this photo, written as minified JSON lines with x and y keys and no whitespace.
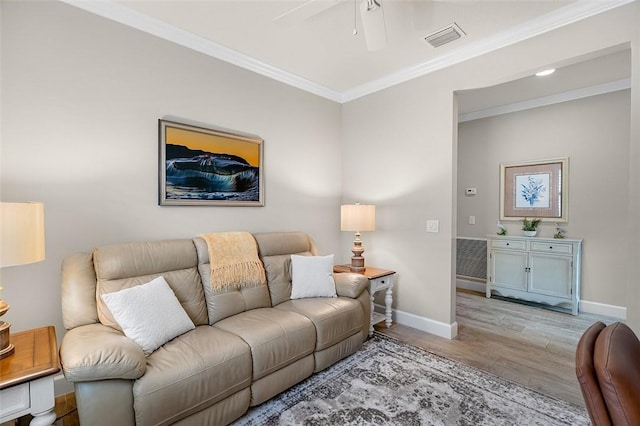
{"x":586,"y":374}
{"x":275,"y":249}
{"x":227,"y":301}
{"x":78,"y":291}
{"x":616,"y":355}
{"x":127,"y":265}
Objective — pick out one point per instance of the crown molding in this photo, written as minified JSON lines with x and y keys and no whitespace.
{"x":557,"y":98}
{"x":571,"y":13}
{"x":121,"y":14}
{"x":566,"y":15}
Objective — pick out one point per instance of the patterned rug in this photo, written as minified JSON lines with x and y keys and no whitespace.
{"x":391,"y":383}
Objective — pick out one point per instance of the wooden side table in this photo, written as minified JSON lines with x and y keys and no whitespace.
{"x":379,"y":279}
{"x":26,"y":377}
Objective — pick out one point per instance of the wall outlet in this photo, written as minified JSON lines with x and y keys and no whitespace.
{"x":471,"y":191}
{"x":432,"y":225}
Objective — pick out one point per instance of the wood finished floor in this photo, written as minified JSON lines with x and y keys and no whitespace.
{"x":528,"y":345}
{"x":532,"y":346}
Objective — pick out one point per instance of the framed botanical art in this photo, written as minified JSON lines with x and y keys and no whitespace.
{"x":206,"y":166}
{"x":535,"y":189}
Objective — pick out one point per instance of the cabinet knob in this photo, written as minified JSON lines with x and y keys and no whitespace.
{"x":550,"y":247}
{"x":507,"y":243}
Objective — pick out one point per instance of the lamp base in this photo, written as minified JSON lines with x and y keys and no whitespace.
{"x":357,"y":264}
{"x":357,"y":260}
{"x":6,"y":348}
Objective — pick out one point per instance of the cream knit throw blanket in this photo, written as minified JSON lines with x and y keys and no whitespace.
{"x":234,"y":260}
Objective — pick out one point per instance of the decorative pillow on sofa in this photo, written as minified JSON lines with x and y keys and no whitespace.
{"x":312,"y":276}
{"x":149,"y":314}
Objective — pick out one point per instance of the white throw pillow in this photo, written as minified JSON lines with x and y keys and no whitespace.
{"x":312,"y":276}
{"x":149,"y":314}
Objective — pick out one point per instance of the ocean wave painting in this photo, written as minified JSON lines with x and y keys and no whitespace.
{"x":204,"y":166}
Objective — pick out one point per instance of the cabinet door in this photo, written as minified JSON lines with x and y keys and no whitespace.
{"x":550,"y":275}
{"x":508,"y":269}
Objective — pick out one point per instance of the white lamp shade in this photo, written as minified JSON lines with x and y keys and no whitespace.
{"x":21,"y":233}
{"x":358,"y":217}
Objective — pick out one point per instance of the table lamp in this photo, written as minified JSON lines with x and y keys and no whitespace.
{"x":358,"y":218}
{"x":21,"y":242}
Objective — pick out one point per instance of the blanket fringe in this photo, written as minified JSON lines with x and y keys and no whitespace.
{"x":234,"y":260}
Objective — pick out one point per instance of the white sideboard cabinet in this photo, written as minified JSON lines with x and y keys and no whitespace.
{"x":540,"y":270}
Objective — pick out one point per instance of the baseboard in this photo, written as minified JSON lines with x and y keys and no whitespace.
{"x":617,"y":312}
{"x":61,"y":386}
{"x":466,"y":284}
{"x":448,"y":331}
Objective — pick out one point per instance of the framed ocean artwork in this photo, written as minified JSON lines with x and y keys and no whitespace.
{"x":535,"y":189}
{"x":201,"y":165}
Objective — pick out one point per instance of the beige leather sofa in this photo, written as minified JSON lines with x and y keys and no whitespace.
{"x":247,"y":346}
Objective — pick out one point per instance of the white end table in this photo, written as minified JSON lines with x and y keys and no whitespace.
{"x":26,"y":377}
{"x":379,"y":279}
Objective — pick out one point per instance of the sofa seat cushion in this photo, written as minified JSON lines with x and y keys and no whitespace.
{"x":190,"y":373}
{"x":276,"y":337}
{"x":335,"y":319}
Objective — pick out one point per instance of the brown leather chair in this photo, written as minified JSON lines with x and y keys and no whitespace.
{"x":608,"y":369}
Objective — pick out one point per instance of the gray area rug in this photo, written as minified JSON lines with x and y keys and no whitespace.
{"x":391,"y":383}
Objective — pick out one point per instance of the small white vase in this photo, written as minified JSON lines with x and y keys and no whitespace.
{"x":529,"y":233}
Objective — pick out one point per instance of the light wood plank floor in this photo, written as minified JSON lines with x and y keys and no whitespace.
{"x":525,"y":344}
{"x":528,"y":345}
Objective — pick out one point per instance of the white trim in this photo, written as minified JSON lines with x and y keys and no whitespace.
{"x":448,"y":331}
{"x":566,"y":15}
{"x":617,"y":312}
{"x":478,"y":286}
{"x":118,"y":13}
{"x":61,"y":386}
{"x":557,"y":98}
{"x":569,"y":14}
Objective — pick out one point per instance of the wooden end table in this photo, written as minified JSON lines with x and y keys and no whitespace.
{"x":26,"y":377}
{"x":379,"y":279}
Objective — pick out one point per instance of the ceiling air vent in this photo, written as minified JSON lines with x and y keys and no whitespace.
{"x":445,"y":35}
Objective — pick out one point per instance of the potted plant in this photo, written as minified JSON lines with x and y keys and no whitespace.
{"x":529,"y":227}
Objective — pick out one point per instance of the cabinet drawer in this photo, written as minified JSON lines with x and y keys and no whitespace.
{"x":377,"y":284}
{"x":551,"y":247}
{"x":509,"y":244}
{"x":15,"y":401}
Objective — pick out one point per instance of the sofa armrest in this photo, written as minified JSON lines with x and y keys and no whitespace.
{"x":97,"y":352}
{"x":350,"y":284}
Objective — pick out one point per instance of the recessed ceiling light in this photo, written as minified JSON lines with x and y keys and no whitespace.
{"x":545,"y":72}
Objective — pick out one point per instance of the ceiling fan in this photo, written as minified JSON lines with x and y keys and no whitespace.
{"x":375,"y":32}
{"x":371,"y":15}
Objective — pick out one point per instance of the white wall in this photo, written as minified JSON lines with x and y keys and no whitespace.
{"x":81,"y":97}
{"x":633,"y":227}
{"x":594,"y":133}
{"x":399,"y":150}
{"x":80,"y":101}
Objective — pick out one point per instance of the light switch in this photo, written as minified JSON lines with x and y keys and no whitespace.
{"x":472,"y":220}
{"x":432,"y":225}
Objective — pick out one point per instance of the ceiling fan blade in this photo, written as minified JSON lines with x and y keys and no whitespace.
{"x":306,"y":10}
{"x":372,"y":16}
